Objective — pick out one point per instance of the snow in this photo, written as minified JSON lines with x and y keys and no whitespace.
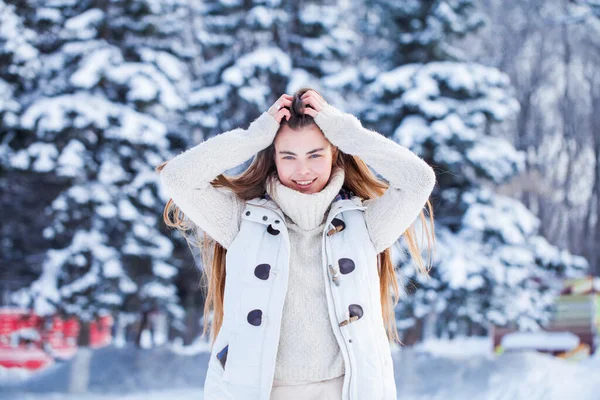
{"x":460,"y":348}
{"x":208,"y":95}
{"x":99,"y":116}
{"x":110,"y":299}
{"x":47,"y":115}
{"x":261,"y":16}
{"x":540,"y":340}
{"x":167,"y":63}
{"x":313,"y":14}
{"x":434,"y":369}
{"x":163,"y":270}
{"x":316,"y":48}
{"x":44,"y":155}
{"x":497,"y":156}
{"x":518,"y":222}
{"x":112,"y":268}
{"x":341,"y":79}
{"x":80,"y":194}
{"x":142,"y":89}
{"x":80,"y":285}
{"x":71,"y":159}
{"x":15,"y":41}
{"x":126,"y":285}
{"x":146,"y":82}
{"x":91,"y":67}
{"x":146,"y":198}
{"x":271,"y":59}
{"x":124,"y":73}
{"x":127,"y":211}
{"x":198,"y":346}
{"x":157,"y":290}
{"x":399,"y":79}
{"x":81,"y":26}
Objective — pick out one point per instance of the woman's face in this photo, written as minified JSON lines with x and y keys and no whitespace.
{"x":303,"y":155}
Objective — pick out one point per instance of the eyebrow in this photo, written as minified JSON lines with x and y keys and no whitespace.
{"x":310,"y":152}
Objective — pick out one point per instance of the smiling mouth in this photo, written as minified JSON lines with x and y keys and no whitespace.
{"x":304,"y":183}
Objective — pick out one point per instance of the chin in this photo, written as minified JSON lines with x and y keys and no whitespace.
{"x":314,"y":190}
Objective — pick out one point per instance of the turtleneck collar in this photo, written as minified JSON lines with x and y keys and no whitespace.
{"x":306,"y":210}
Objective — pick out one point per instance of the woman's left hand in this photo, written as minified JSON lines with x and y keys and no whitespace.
{"x":315,"y":101}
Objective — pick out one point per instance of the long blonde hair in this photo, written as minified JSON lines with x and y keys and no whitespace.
{"x":252,"y":183}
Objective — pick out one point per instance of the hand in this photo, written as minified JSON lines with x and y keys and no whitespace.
{"x":280,"y":108}
{"x":315,"y":101}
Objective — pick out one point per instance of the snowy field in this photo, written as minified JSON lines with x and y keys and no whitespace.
{"x":437,"y":369}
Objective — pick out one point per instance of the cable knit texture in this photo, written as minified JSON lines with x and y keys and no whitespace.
{"x":308,"y":350}
{"x":186,"y":179}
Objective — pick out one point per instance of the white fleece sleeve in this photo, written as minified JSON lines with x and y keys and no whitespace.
{"x":411,"y":179}
{"x":186,"y":178}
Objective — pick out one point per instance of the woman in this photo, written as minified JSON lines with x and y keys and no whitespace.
{"x":300,"y":269}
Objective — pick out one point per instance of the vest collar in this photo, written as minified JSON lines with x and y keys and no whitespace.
{"x":345,"y":200}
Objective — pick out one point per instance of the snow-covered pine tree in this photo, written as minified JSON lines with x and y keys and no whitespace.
{"x":490,"y":265}
{"x":113,"y":86}
{"x":21,"y":239}
{"x":243,"y":64}
{"x":319,"y":39}
{"x":419,"y":31}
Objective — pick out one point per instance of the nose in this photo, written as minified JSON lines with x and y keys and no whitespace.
{"x":303,"y":170}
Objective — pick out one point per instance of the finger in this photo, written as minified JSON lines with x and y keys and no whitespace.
{"x":312,"y":102}
{"x":287,"y":114}
{"x":309,"y":111}
{"x":282,"y":102}
{"x":312,"y":93}
{"x":308,"y":93}
{"x":284,"y":112}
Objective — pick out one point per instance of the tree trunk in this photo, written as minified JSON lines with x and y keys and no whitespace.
{"x":143,"y":326}
{"x":414,"y":334}
{"x":79,"y":375}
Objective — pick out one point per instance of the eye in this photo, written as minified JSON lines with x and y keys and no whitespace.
{"x":316,"y":155}
{"x":287,"y":157}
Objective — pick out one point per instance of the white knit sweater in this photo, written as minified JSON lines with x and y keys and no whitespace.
{"x":307,"y":348}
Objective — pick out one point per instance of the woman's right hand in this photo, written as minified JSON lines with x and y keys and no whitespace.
{"x":281,"y":108}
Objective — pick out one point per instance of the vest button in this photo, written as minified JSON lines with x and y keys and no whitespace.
{"x":272,"y":230}
{"x":346,"y":265}
{"x":339,"y":224}
{"x":355,"y":310}
{"x":277,"y":221}
{"x":255,"y":317}
{"x":262,"y":271}
{"x":265,"y":218}
{"x":247,"y":212}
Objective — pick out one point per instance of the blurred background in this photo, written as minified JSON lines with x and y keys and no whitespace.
{"x":100,"y":300}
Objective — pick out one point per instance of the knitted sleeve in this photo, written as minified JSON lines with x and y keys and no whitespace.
{"x":411,"y":179}
{"x":186,"y":178}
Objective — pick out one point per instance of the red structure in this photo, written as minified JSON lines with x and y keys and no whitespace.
{"x":30,"y":341}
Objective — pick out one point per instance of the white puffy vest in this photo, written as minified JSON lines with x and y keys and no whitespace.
{"x":242,"y":362}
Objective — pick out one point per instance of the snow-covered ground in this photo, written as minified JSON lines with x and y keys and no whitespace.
{"x":436,"y":369}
